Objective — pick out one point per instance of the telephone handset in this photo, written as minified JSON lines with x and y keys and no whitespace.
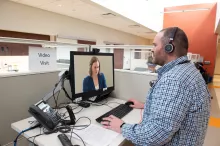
{"x":45,"y":115}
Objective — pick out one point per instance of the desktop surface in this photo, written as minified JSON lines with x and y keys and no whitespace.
{"x":92,"y":112}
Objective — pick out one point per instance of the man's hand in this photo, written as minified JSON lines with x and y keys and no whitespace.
{"x":137,"y":104}
{"x":112,"y":123}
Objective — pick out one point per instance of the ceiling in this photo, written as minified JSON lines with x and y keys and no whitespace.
{"x":87,"y":11}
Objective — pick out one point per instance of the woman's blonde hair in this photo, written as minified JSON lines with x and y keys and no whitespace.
{"x":93,"y":60}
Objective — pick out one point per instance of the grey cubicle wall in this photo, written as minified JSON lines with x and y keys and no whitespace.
{"x":132,"y":84}
{"x":19,"y":92}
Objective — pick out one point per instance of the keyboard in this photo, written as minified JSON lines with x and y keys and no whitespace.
{"x":120,"y":111}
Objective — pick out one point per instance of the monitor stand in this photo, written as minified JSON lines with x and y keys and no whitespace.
{"x":98,"y":98}
{"x":84,"y":104}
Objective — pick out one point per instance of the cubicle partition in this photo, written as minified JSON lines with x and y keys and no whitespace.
{"x":19,"y":91}
{"x":132,"y":84}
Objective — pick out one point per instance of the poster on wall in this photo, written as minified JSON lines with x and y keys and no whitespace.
{"x":42,"y":59}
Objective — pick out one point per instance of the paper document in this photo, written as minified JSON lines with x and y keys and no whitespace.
{"x":95,"y":135}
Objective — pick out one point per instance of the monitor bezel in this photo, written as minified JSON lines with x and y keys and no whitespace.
{"x":86,"y":95}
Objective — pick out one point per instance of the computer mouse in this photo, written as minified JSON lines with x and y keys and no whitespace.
{"x":129,"y":103}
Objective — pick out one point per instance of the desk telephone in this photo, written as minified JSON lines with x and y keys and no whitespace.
{"x":48,"y":117}
{"x":45,"y":115}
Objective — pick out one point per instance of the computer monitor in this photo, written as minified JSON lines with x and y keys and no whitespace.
{"x":84,"y":68}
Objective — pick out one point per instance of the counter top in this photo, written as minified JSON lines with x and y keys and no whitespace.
{"x":136,"y":72}
{"x":4,"y":74}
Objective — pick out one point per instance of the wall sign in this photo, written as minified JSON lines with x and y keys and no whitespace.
{"x":42,"y":59}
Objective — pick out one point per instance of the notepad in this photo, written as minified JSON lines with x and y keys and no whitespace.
{"x":96,"y":135}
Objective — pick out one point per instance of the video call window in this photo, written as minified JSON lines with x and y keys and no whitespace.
{"x":92,"y":72}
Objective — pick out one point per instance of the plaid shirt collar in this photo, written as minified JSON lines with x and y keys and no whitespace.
{"x":170,"y":65}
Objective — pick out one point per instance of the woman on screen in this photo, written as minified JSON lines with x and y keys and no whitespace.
{"x":95,"y":80}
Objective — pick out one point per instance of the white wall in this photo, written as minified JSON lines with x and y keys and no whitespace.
{"x":18,"y":17}
{"x":64,"y":52}
{"x":217,"y":20}
{"x":20,"y":61}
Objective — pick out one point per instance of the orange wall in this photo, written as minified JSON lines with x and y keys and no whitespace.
{"x":199,"y":27}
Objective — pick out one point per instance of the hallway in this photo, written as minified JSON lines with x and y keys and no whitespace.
{"x":212,"y":137}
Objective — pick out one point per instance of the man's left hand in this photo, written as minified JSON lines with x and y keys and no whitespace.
{"x":112,"y":123}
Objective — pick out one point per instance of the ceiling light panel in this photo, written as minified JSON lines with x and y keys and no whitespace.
{"x":108,"y":15}
{"x":187,"y":10}
{"x":134,"y":26}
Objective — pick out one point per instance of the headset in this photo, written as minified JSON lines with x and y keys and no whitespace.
{"x":169,"y":48}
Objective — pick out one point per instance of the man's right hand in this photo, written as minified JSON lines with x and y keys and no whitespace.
{"x":137,"y":104}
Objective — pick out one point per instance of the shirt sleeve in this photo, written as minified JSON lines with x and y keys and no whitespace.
{"x":170,"y":102}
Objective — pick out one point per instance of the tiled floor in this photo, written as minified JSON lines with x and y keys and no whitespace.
{"x":213,"y":133}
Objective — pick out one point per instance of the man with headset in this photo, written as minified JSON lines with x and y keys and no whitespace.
{"x":177,"y":108}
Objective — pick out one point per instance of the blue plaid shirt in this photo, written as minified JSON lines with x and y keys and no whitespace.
{"x":176,"y":111}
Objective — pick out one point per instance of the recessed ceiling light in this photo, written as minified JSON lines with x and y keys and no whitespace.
{"x":187,"y":10}
{"x":59,"y":5}
{"x":108,"y":15}
{"x":134,"y":26}
{"x":149,"y":32}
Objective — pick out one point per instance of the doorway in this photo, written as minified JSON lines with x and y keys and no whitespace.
{"x":118,"y":58}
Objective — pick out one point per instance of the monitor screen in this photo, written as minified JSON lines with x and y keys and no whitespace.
{"x":91,"y":75}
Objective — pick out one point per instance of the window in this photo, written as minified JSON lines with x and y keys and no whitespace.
{"x":137,"y":55}
{"x":108,"y":50}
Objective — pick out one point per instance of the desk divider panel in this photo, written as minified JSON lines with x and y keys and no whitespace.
{"x":19,"y":92}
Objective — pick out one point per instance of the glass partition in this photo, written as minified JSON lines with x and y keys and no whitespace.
{"x":49,"y":55}
{"x":131,"y":57}
{"x":25,"y":55}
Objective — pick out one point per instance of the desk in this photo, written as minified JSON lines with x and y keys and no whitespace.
{"x":92,"y":112}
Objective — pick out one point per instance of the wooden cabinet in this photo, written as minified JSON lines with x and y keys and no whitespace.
{"x":84,"y":42}
{"x":9,"y":49}
{"x":13,"y":49}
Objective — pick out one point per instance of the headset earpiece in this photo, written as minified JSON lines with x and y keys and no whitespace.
{"x":169,"y":48}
